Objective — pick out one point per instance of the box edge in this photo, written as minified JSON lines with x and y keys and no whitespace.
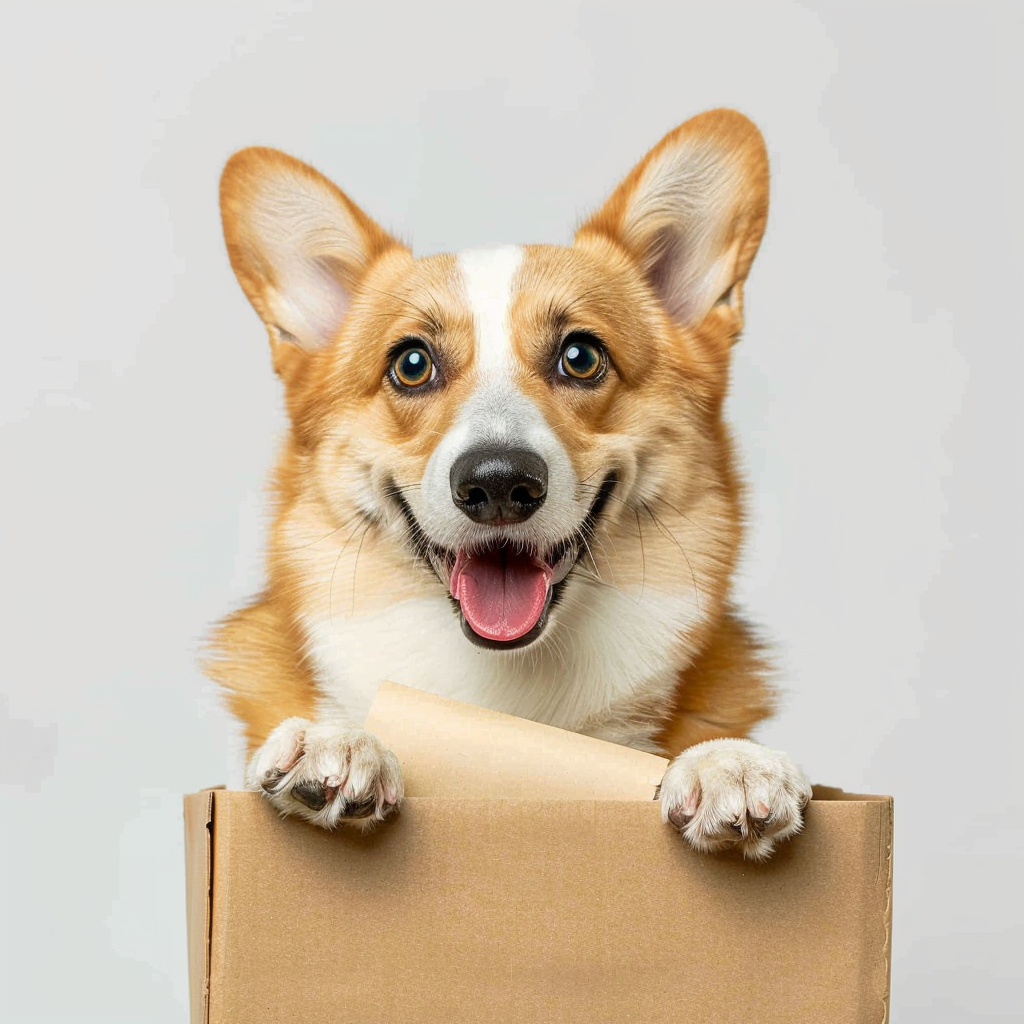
{"x":199,"y":821}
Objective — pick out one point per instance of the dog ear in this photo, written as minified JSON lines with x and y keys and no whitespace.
{"x":297,"y":244}
{"x":692,"y":214}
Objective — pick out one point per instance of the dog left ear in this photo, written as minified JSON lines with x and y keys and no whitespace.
{"x":692,"y":214}
{"x":298,"y":245}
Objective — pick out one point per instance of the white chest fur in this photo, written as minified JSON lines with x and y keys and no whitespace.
{"x":606,"y":658}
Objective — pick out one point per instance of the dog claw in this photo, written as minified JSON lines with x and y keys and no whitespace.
{"x":361,"y":809}
{"x":311,"y":794}
{"x":679,"y":817}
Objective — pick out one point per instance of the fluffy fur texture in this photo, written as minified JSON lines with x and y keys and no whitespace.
{"x":641,"y":644}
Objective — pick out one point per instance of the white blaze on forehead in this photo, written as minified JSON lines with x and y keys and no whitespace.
{"x":488,"y":275}
{"x":497,"y":414}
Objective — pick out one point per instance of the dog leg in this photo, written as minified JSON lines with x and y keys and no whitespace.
{"x":734,"y":793}
{"x":327,"y":773}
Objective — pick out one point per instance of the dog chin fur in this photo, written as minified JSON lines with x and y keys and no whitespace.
{"x":606,"y":364}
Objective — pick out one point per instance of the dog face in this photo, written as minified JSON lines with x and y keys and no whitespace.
{"x":490,"y":426}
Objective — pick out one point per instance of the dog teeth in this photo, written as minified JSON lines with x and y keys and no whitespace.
{"x":443,"y":564}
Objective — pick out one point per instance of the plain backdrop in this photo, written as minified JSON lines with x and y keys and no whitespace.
{"x":875,"y":402}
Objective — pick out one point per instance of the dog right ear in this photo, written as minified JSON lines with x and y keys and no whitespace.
{"x":298,"y":246}
{"x":692,"y":214}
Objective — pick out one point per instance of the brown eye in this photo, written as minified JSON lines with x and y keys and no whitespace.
{"x":582,"y":358}
{"x":412,"y":367}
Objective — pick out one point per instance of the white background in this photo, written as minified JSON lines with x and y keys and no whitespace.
{"x":875,"y":400}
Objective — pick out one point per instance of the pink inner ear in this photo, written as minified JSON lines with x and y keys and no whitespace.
{"x":667,"y":273}
{"x":676,"y":274}
{"x":310,"y":301}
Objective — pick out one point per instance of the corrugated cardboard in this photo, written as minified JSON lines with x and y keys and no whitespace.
{"x":494,"y":903}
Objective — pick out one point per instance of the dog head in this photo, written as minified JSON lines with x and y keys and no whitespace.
{"x":491,"y":427}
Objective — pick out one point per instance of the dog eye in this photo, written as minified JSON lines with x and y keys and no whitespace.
{"x":582,"y":358}
{"x":412,"y":367}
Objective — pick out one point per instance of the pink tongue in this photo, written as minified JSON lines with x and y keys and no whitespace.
{"x":502,"y":593}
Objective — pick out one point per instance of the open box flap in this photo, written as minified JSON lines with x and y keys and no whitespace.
{"x":448,"y":748}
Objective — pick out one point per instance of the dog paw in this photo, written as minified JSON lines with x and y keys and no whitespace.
{"x":327,"y":773}
{"x":734,"y":793}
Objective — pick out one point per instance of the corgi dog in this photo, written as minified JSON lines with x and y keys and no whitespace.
{"x":507,"y":480}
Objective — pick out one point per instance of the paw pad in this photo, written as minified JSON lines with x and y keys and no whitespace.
{"x":734,"y":794}
{"x":327,"y":774}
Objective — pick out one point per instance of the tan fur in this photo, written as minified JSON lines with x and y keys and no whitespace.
{"x":664,"y":398}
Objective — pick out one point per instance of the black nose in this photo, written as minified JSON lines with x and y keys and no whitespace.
{"x":499,"y":485}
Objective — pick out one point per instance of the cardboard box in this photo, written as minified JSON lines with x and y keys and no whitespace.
{"x":501,"y":894}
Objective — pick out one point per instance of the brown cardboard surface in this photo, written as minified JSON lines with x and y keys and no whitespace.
{"x":448,"y":748}
{"x":528,"y":909}
{"x":537,"y":911}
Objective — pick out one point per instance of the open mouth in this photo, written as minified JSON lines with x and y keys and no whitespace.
{"x":505,"y":590}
